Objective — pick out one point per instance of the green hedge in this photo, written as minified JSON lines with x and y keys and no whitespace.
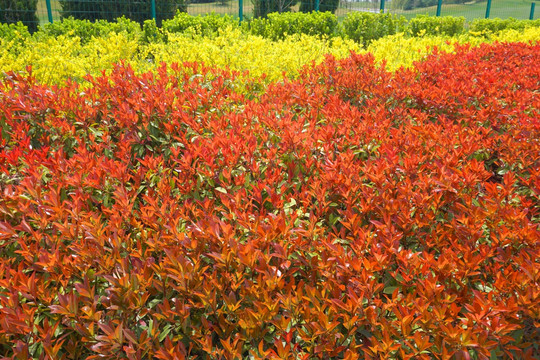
{"x":14,"y":32}
{"x":495,"y":25}
{"x":431,"y":25}
{"x":366,"y":27}
{"x":276,"y":26}
{"x":85,"y":29}
{"x":205,"y":25}
{"x":13,"y":11}
{"x":360,"y":27}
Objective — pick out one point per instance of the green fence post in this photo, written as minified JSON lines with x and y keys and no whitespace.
{"x":49,"y":10}
{"x":241,"y":9}
{"x":531,"y":15}
{"x":488,"y":8}
{"x":382,"y":6}
{"x":153,"y":9}
{"x":317,"y":4}
{"x":439,"y":6}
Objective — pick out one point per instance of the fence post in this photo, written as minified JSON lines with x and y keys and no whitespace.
{"x":382,"y":6}
{"x":488,"y":8}
{"x":49,"y":10}
{"x":439,"y":6}
{"x":531,"y":15}
{"x":153,"y":9}
{"x":317,"y":4}
{"x":241,"y":9}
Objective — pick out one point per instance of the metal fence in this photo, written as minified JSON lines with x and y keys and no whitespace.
{"x":502,"y":9}
{"x":139,"y":10}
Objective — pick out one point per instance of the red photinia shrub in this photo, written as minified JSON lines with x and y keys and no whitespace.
{"x":351,"y":213}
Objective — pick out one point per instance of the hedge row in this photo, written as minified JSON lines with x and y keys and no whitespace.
{"x":351,"y":213}
{"x":360,"y":27}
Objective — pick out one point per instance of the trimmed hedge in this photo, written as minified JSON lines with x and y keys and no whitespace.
{"x":366,"y":27}
{"x":350,"y":213}
{"x":431,"y":25}
{"x":85,"y":29}
{"x":277,"y":26}
{"x":362,"y":28}
{"x":495,"y":25}
{"x":14,"y":32}
{"x":204,"y":25}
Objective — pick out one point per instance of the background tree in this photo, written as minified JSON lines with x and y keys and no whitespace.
{"x":12,"y":11}
{"x":136,"y":10}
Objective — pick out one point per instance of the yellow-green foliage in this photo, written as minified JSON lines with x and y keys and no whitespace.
{"x":55,"y":59}
{"x":240,"y":51}
{"x":399,"y":50}
{"x":531,"y":34}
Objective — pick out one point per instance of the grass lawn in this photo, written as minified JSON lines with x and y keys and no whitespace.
{"x":503,"y":9}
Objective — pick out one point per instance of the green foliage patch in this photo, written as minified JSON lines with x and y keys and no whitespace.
{"x":445,"y":25}
{"x":366,"y":27}
{"x":276,"y":26}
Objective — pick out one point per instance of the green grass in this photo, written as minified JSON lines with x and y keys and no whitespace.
{"x":503,"y":9}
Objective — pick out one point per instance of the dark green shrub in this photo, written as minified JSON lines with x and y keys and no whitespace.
{"x":276,"y":26}
{"x":204,"y":25}
{"x":496,"y":25}
{"x":152,"y":33}
{"x":136,"y":10}
{"x":13,"y":11}
{"x":324,"y":5}
{"x":86,"y":29}
{"x":261,"y":8}
{"x":364,"y":27}
{"x":432,"y":25}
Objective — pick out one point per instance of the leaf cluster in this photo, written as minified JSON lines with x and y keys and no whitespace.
{"x":349,"y":213}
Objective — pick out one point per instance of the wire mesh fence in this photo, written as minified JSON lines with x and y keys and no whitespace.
{"x":35,"y":12}
{"x":201,"y":7}
{"x":346,"y":6}
{"x":503,"y":9}
{"x":519,"y":9}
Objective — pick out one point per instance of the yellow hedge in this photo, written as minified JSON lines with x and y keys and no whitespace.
{"x":56,"y":59}
{"x":399,"y":50}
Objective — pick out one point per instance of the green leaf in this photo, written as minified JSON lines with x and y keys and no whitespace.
{"x":165,"y":332}
{"x":221,"y":190}
{"x":389,"y":290}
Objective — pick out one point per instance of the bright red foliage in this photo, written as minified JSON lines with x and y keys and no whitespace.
{"x":352,"y":213}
